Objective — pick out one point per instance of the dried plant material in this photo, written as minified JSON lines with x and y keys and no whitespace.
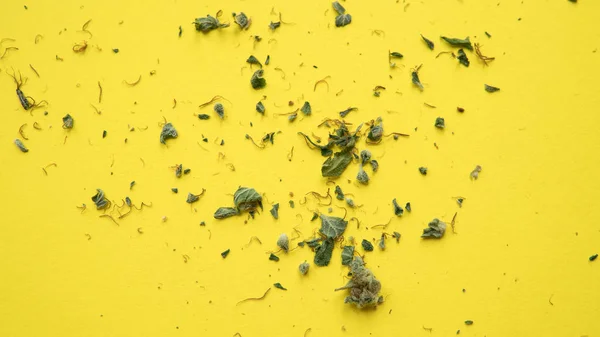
{"x":254,"y":298}
{"x":435,"y":229}
{"x":332,"y":227}
{"x":275,"y":211}
{"x":273,"y":257}
{"x":415,"y":77}
{"x":100,"y":200}
{"x":175,"y":190}
{"x":257,"y":81}
{"x":283,"y":242}
{"x":347,"y":255}
{"x":314,"y":243}
{"x":338,"y":193}
{"x":67,"y":122}
{"x":475,"y":173}
{"x":274,"y":25}
{"x":279,"y":286}
{"x":191,"y":198}
{"x":342,"y":19}
{"x":363,"y":287}
{"x":242,"y":20}
{"x":21,"y":146}
{"x":459,"y":109}
{"x":397,"y":209}
{"x":462,"y":43}
{"x":423,"y":170}
{"x":323,"y":252}
{"x":468,"y":322}
{"x":303,"y":268}
{"x":429,"y":43}
{"x":80,"y":47}
{"x":440,"y":123}
{"x":225,"y":253}
{"x":203,"y":116}
{"x":365,"y":156}
{"x":490,"y":88}
{"x":253,"y":60}
{"x":225,"y":212}
{"x":168,"y":132}
{"x":375,"y":131}
{"x":347,"y":111}
{"x":462,"y":58}
{"x":593,"y":257}
{"x":482,"y":57}
{"x":395,"y":54}
{"x":246,"y":198}
{"x":367,"y":245}
{"x":178,"y":170}
{"x":374,"y":165}
{"x":397,"y":236}
{"x":260,"y":108}
{"x":335,"y":166}
{"x":381,"y":243}
{"x":220,"y":110}
{"x":208,"y":23}
{"x":362,"y":176}
{"x":306,"y":109}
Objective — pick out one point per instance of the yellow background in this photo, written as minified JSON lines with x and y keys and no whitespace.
{"x":524,"y":233}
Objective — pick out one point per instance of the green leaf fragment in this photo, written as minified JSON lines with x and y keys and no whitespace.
{"x":367,"y":245}
{"x":332,"y":227}
{"x":314,"y":243}
{"x":242,"y":20}
{"x":435,"y":229}
{"x":225,"y":253}
{"x":168,"y":132}
{"x":347,"y":255}
{"x":306,"y":109}
{"x":274,"y":25}
{"x":275,"y":211}
{"x":283,"y":242}
{"x":381,"y":243}
{"x":463,"y":43}
{"x":416,"y":81}
{"x":462,"y":58}
{"x":100,"y":200}
{"x":323,"y":253}
{"x":396,"y":54}
{"x":268,"y":60}
{"x":440,"y":123}
{"x":21,"y":146}
{"x":225,"y":212}
{"x":303,"y":268}
{"x":423,"y":170}
{"x":220,"y":110}
{"x":362,"y":176}
{"x":338,"y":193}
{"x":408,"y":207}
{"x":363,"y":287}
{"x":343,"y":20}
{"x":338,"y":8}
{"x":347,"y":111}
{"x":191,"y":198}
{"x":175,"y":190}
{"x":208,"y":23}
{"x":67,"y":122}
{"x":179,"y":171}
{"x":490,"y":88}
{"x":488,"y":34}
{"x":374,"y":165}
{"x":257,"y":81}
{"x":273,"y":257}
{"x":254,"y":60}
{"x":203,"y":116}
{"x":279,"y":286}
{"x":428,"y":42}
{"x":335,"y":166}
{"x":315,"y":216}
{"x":593,"y":257}
{"x":397,"y":209}
{"x":397,"y":236}
{"x":469,"y":322}
{"x":260,"y":107}
{"x":246,"y":198}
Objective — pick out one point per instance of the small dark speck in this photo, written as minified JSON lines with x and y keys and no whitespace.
{"x":519,"y":19}
{"x":115,"y":50}
{"x":45,"y":113}
{"x":464,"y":290}
{"x":315,"y":67}
{"x":25,"y":6}
{"x":593,"y":257}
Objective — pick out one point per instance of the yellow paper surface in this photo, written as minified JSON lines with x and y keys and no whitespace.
{"x":523,"y":236}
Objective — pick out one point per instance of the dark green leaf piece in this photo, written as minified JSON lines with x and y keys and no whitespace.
{"x":381,"y":243}
{"x":397,"y":209}
{"x":338,"y":8}
{"x":208,"y":23}
{"x":292,"y":205}
{"x":268,"y":60}
{"x":440,"y":123}
{"x":220,"y":110}
{"x":246,"y":198}
{"x":303,"y":268}
{"x":593,"y":257}
{"x":283,"y":242}
{"x":396,"y":54}
{"x":365,"y":156}
{"x":397,"y":236}
{"x":469,"y":322}
{"x":131,"y":184}
{"x":376,"y":131}
{"x":347,"y":255}
{"x":314,"y":243}
{"x":338,"y":193}
{"x":115,"y":50}
{"x":191,"y":198}
{"x":180,"y":31}
{"x":67,"y":122}
{"x":306,"y":109}
{"x":315,"y":216}
{"x":242,"y":20}
{"x":225,"y":253}
{"x":104,"y":133}
{"x":428,"y":42}
{"x":273,"y":257}
{"x":332,"y":227}
{"x":179,"y":171}
{"x":279,"y":286}
{"x":21,"y":146}
{"x":350,"y":203}
{"x":100,"y":200}
{"x":323,"y":252}
{"x":260,"y":107}
{"x":462,"y":43}
{"x":274,"y":25}
{"x":187,"y":171}
{"x":254,"y":60}
{"x":257,"y":80}
{"x":423,"y":170}
{"x":275,"y":211}
{"x":128,"y":201}
{"x":362,"y":176}
{"x":363,"y":287}
{"x":175,"y":190}
{"x":347,"y":111}
{"x":168,"y":132}
{"x":488,"y":34}
{"x":407,"y":207}
{"x":325,"y":151}
{"x":343,"y":20}
{"x":335,"y":166}
{"x":462,"y":58}
{"x":416,"y":81}
{"x":292,"y":117}
{"x":225,"y":212}
{"x":203,"y":116}
{"x":367,"y":245}
{"x":490,"y":88}
{"x":435,"y":229}
{"x":374,"y":165}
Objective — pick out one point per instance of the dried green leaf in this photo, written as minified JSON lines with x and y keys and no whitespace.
{"x":168,"y":132}
{"x":274,"y":25}
{"x":363,"y":287}
{"x":225,"y":253}
{"x":423,"y":170}
{"x":440,"y":123}
{"x":462,"y":58}
{"x":362,"y":176}
{"x":374,"y":165}
{"x":279,"y":286}
{"x":343,"y":20}
{"x":257,"y":80}
{"x":303,"y":268}
{"x":347,"y":255}
{"x":268,"y":60}
{"x":469,"y":322}
{"x":338,"y":193}
{"x":475,"y":172}
{"x":463,"y":43}
{"x":365,"y":156}
{"x":593,"y":257}
{"x":396,"y":54}
{"x":131,"y":184}
{"x":315,"y":216}
{"x":208,"y":23}
{"x":67,"y":122}
{"x":435,"y":229}
{"x":397,"y":209}
{"x":225,"y":212}
{"x":203,"y":116}
{"x":306,"y":109}
{"x":490,"y":88}
{"x":335,"y":166}
{"x":332,"y":227}
{"x":314,"y":243}
{"x":408,"y":207}
{"x":347,"y":111}
{"x":367,"y":245}
{"x":350,"y":203}
{"x":428,"y":42}
{"x":21,"y":146}
{"x":381,"y":243}
{"x":242,"y":20}
{"x":254,"y":60}
{"x":338,"y":8}
{"x":191,"y":198}
{"x":220,"y":110}
{"x":325,"y":151}
{"x":415,"y":79}
{"x":275,"y":211}
{"x":397,"y":236}
{"x":175,"y":190}
{"x":179,"y":170}
{"x":100,"y":200}
{"x":292,"y":117}
{"x":323,"y":253}
{"x":260,"y":107}
{"x":376,"y":131}
{"x":283,"y":242}
{"x":246,"y":198}
{"x":273,"y":257}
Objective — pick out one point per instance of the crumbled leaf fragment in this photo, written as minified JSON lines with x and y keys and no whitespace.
{"x":338,"y":7}
{"x":475,"y":173}
{"x":407,"y":207}
{"x":180,"y":31}
{"x":460,"y":201}
{"x":225,"y":253}
{"x":396,"y":54}
{"x":21,"y":146}
{"x":275,"y":211}
{"x":363,"y":287}
{"x":273,"y":257}
{"x":292,"y":117}
{"x":365,"y":156}
{"x":274,"y":25}
{"x":347,"y":255}
{"x":362,"y":176}
{"x":175,"y":190}
{"x":593,"y":257}
{"x":428,"y":42}
{"x":314,"y":217}
{"x":462,"y":58}
{"x":462,"y":43}
{"x":179,"y":171}
{"x":469,"y":322}
{"x":440,"y":123}
{"x":435,"y":229}
{"x":488,"y":34}
{"x":208,"y":23}
{"x":292,"y":205}
{"x":260,"y":107}
{"x":332,"y":227}
{"x":397,"y":236}
{"x":381,"y":243}
{"x":314,"y":243}
{"x":168,"y":132}
{"x":268,"y":60}
{"x":115,"y":50}
{"x":100,"y":200}
{"x":257,"y":80}
{"x":323,"y":252}
{"x":335,"y":166}
{"x":374,"y":165}
{"x":242,"y":20}
{"x":338,"y":193}
{"x":246,"y":198}
{"x":253,"y":60}
{"x":283,"y":242}
{"x":191,"y":198}
{"x":347,"y":111}
{"x":376,"y":131}
{"x":490,"y":88}
{"x":203,"y":116}
{"x":225,"y":212}
{"x":303,"y":267}
{"x":397,"y":209}
{"x":343,"y":20}
{"x":131,"y":184}
{"x":220,"y":110}
{"x":279,"y":286}
{"x":367,"y":245}
{"x":416,"y":81}
{"x":306,"y":109}
{"x":67,"y":122}
{"x":187,"y":171}
{"x":423,"y":170}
